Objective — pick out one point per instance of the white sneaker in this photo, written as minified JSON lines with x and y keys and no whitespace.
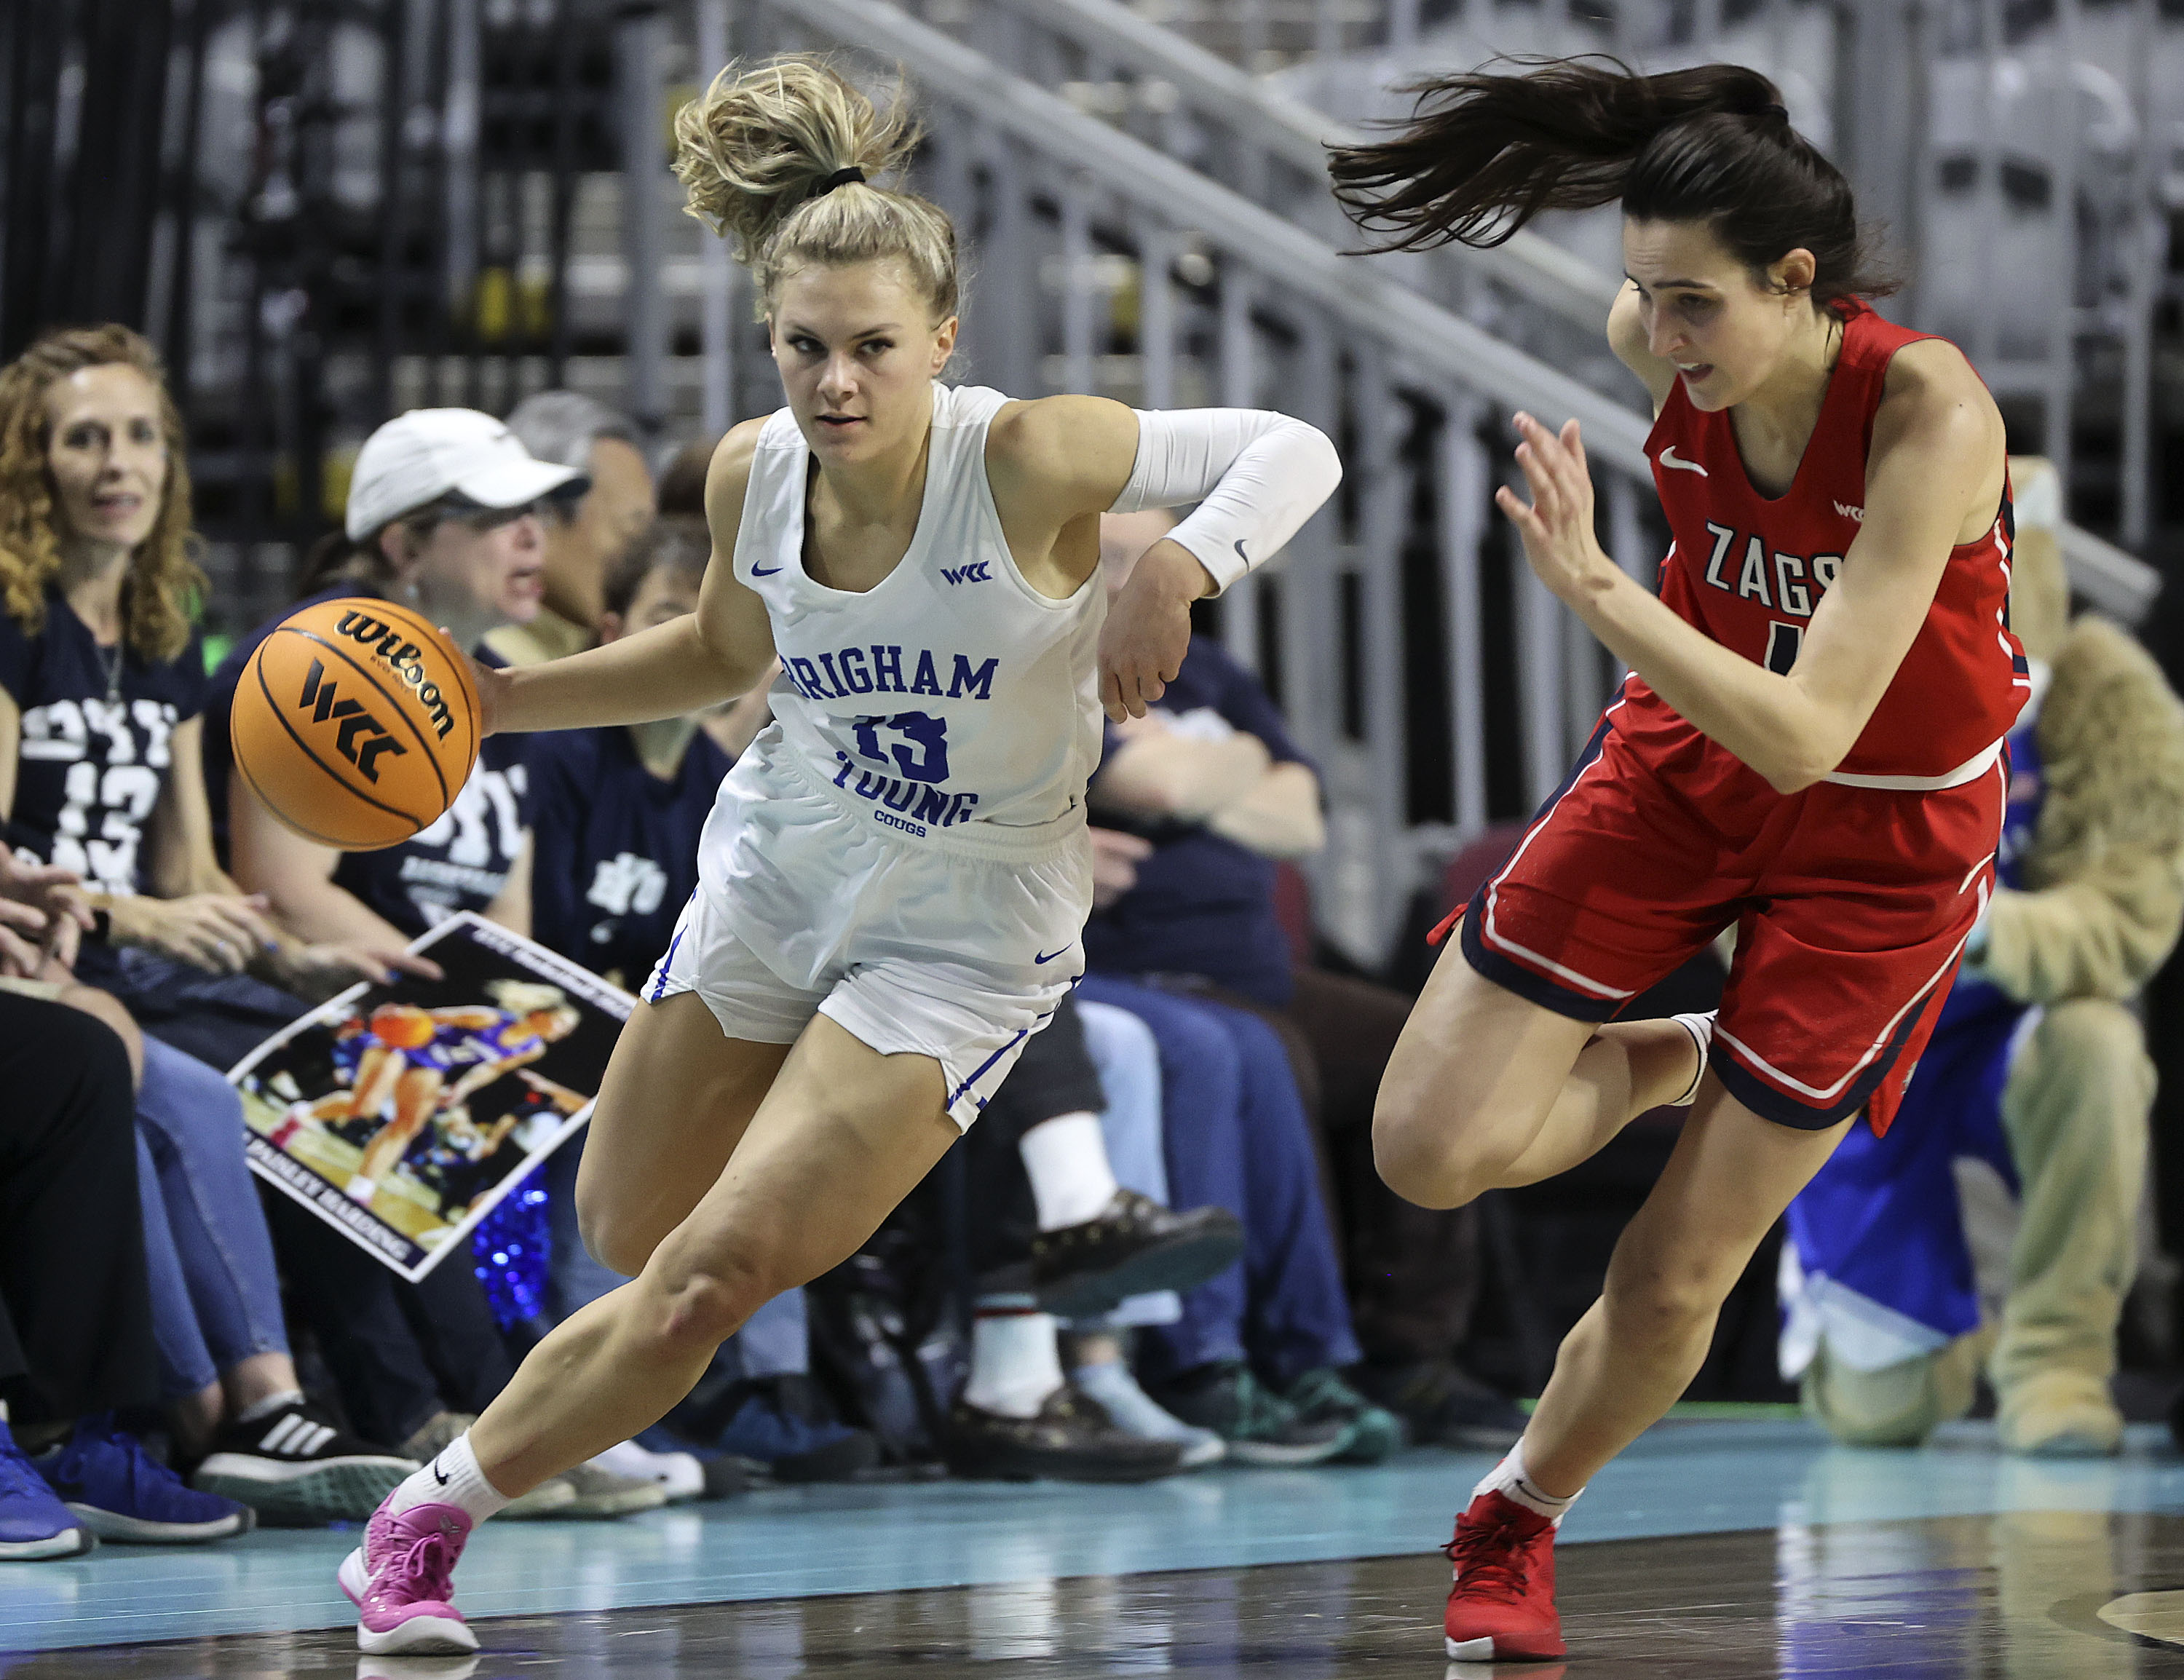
{"x":678,"y":1475}
{"x":1700,"y":1027}
{"x":1136,"y":1413}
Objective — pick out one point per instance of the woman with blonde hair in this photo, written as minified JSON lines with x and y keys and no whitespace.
{"x":102,"y":686}
{"x":894,"y":878}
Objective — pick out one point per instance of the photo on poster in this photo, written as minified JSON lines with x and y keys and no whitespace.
{"x":400,"y":1114}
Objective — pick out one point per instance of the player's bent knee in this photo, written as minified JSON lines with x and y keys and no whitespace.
{"x":709,"y":1287}
{"x":1427,"y":1155}
{"x":706,"y":1307}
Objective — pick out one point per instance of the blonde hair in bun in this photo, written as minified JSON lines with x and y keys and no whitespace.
{"x":764,"y":155}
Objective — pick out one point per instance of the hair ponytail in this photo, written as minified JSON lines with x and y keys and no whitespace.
{"x":784,"y":158}
{"x":1486,"y":153}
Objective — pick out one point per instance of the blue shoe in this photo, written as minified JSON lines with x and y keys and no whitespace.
{"x":120,"y":1492}
{"x":33,"y":1522}
{"x":780,"y":1425}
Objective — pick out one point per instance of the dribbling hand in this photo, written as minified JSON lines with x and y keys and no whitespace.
{"x":1148,"y":629}
{"x":1557,"y":526}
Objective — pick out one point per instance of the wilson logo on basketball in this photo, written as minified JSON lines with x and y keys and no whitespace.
{"x":388,"y":642}
{"x":360,"y":737}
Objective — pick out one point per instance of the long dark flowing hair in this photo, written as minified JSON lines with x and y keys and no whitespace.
{"x":1484,"y":153}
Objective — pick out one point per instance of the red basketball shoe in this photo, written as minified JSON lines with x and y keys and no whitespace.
{"x":1502,"y":1608}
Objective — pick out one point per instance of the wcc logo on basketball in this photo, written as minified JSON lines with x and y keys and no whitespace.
{"x":360,"y":737}
{"x":356,"y":723}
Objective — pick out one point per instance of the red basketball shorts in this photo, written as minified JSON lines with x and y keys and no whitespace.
{"x":1852,"y":907}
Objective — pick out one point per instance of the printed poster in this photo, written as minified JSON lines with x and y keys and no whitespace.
{"x":400,"y":1114}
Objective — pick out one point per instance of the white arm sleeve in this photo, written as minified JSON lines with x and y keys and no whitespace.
{"x":1255,"y":476}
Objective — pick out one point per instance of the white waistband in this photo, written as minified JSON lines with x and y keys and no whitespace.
{"x":1969,"y":770}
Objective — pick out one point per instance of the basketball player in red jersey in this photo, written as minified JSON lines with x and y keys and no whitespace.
{"x":1808,"y":749}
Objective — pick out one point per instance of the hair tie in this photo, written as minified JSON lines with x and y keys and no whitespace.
{"x":1780,"y":114}
{"x":839,"y":178}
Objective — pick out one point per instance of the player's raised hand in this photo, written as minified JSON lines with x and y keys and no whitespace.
{"x":1148,"y":629}
{"x":1557,"y":525}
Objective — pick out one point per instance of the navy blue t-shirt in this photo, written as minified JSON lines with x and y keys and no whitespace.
{"x":91,"y":769}
{"x":1203,"y":904}
{"x":460,"y":863}
{"x":614,"y":848}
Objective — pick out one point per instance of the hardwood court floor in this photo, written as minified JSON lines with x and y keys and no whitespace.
{"x":1709,"y":1550}
{"x":2013,"y":1596}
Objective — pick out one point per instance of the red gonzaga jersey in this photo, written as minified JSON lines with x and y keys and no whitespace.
{"x":1749,"y":572}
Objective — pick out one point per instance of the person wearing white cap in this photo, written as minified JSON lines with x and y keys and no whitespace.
{"x":443,"y":516}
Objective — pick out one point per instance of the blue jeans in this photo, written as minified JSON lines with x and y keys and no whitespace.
{"x":775,"y":1341}
{"x":1236,"y":1137}
{"x":1128,"y":1055}
{"x":216,"y":1299}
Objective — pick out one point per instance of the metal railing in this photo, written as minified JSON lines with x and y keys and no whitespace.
{"x":2069,"y":342}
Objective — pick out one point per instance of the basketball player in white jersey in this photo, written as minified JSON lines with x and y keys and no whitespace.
{"x":893,"y":882}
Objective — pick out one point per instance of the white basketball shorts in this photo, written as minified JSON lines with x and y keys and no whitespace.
{"x":957,"y":945}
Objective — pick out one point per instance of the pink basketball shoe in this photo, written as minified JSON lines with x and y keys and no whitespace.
{"x":401,"y":1578}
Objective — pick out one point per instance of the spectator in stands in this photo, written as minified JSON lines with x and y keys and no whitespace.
{"x":76,"y":1339}
{"x":617,"y":814}
{"x":442,"y":515}
{"x":683,"y":480}
{"x":1044,"y":1184}
{"x":585,"y":532}
{"x":1211,"y":791}
{"x":103,"y":680}
{"x":2038,"y":1068}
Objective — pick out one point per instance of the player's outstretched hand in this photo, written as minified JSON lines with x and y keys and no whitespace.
{"x":1557,"y":526}
{"x":1148,"y":629}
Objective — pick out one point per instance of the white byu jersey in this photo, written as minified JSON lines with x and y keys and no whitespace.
{"x":951,"y":698}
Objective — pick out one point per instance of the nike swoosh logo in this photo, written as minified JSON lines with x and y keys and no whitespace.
{"x":1241,"y":554}
{"x":1668,"y":459}
{"x":1052,"y":956}
{"x":437,"y":1476}
{"x":764,"y":571}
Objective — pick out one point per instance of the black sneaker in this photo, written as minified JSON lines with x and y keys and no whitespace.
{"x":1072,"y":1439}
{"x":1259,"y":1425}
{"x":1442,"y":1406}
{"x":298,"y":1469}
{"x":1134,"y":1247}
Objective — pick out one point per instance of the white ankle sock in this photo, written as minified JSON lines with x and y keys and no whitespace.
{"x":269,"y":1404}
{"x":1508,"y":1478}
{"x":452,"y":1478}
{"x":1700,"y":1027}
{"x":1014,"y":1366}
{"x":1066,"y":1160}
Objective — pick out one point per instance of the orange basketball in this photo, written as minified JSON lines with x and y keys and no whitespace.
{"x":356,"y":723}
